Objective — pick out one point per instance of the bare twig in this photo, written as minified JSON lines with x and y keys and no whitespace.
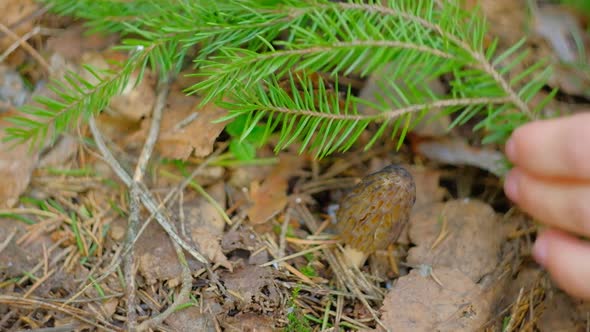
{"x":23,"y":43}
{"x":18,"y":42}
{"x":4,"y":244}
{"x":129,"y":258}
{"x":122,"y":251}
{"x":144,"y":158}
{"x":146,"y":197}
{"x":283,"y":237}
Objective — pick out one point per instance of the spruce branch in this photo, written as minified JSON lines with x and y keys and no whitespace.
{"x":478,"y":56}
{"x":76,"y":96}
{"x":249,"y":52}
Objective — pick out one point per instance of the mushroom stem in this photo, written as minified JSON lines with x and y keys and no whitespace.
{"x":354,"y":257}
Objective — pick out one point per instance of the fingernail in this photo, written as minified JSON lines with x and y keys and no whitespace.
{"x":540,"y":250}
{"x":511,"y":184}
{"x":510,"y":150}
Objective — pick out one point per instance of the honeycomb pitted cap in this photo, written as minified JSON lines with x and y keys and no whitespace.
{"x":375,"y":212}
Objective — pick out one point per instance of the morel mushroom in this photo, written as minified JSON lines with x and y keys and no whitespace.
{"x":374,"y":214}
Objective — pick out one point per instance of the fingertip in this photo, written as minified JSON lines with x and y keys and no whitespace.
{"x":512,"y":183}
{"x":510,"y":149}
{"x":552,"y":147}
{"x":540,"y":249}
{"x":566,"y":259}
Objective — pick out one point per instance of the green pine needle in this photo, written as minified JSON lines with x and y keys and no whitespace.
{"x":257,"y":59}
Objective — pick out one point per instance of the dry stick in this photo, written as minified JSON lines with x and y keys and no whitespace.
{"x":122,"y":250}
{"x":283,"y":237}
{"x":145,"y":196}
{"x":26,"y":46}
{"x":129,"y":258}
{"x":6,"y":242}
{"x":18,"y":42}
{"x":144,"y":158}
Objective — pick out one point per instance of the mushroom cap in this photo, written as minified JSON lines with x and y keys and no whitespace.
{"x":375,"y":212}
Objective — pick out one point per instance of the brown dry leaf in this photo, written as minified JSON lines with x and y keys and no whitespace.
{"x":14,"y":259}
{"x":65,"y":148}
{"x":457,"y":152}
{"x":244,"y":244}
{"x":270,"y":197}
{"x":466,"y":233}
{"x":17,"y":163}
{"x":105,"y":310}
{"x":208,"y":245}
{"x":72,"y":42}
{"x":418,"y":303}
{"x":560,"y":29}
{"x":157,"y":259}
{"x":561,"y":314}
{"x":191,"y":319}
{"x":249,"y":322}
{"x":186,"y":130}
{"x":507,"y":19}
{"x":206,"y":224}
{"x":252,"y":289}
{"x":428,"y":189}
{"x":136,"y":101}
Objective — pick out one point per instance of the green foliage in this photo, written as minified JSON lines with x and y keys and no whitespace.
{"x":258,"y":59}
{"x":296,"y":321}
{"x":580,"y":4}
{"x":243,"y":144}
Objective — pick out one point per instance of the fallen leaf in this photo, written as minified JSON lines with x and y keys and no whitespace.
{"x":252,"y":289}
{"x":136,"y":100}
{"x":208,"y":245}
{"x":206,"y":224}
{"x":15,"y":259}
{"x":428,"y":189}
{"x":559,"y":27}
{"x":466,"y":235}
{"x":157,"y":259}
{"x":458,"y":152}
{"x":507,"y":19}
{"x":17,"y":163}
{"x":191,"y":319}
{"x":248,"y":322}
{"x":201,"y":213}
{"x":244,"y":243}
{"x":72,"y":42}
{"x":561,"y":314}
{"x":65,"y":148}
{"x":563,"y":33}
{"x":419,"y":303}
{"x":270,"y":197}
{"x":186,"y":130}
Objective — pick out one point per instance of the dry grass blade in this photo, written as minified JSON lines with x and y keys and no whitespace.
{"x":78,"y":314}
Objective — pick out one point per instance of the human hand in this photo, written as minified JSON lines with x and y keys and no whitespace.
{"x":551,"y":181}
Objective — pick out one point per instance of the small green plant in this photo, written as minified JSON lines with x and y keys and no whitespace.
{"x":296,"y":321}
{"x":257,"y":59}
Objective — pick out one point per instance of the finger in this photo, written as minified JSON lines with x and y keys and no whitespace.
{"x":553,"y":148}
{"x":566,"y":259}
{"x":564,"y":205}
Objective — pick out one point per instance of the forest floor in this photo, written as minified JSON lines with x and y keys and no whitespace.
{"x":267,"y":226}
